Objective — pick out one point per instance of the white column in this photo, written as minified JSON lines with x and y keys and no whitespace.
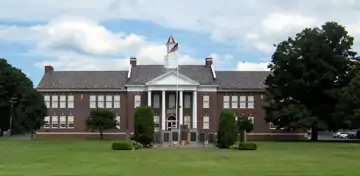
{"x":194,"y":116}
{"x":181,"y":108}
{"x":149,"y":98}
{"x":163,"y":111}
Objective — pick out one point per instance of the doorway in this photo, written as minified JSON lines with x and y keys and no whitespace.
{"x":171,"y":122}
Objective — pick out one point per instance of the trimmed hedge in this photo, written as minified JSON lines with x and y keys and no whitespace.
{"x":247,"y":146}
{"x":122,"y":145}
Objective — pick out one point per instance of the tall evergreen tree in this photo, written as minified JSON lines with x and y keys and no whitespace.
{"x":308,"y":72}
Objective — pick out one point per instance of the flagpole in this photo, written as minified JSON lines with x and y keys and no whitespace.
{"x":177,"y":96}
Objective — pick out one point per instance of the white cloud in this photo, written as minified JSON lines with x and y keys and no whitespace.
{"x":251,"y":66}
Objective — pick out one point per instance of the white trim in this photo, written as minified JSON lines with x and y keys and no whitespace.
{"x":213,"y":71}
{"x":172,"y":72}
{"x":172,"y":88}
{"x":277,"y":134}
{"x":136,"y":88}
{"x":80,"y":90}
{"x":129,"y":72}
{"x":207,"y":89}
{"x":81,"y":133}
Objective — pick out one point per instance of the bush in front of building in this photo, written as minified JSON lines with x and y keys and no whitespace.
{"x":144,"y":126}
{"x":228,"y":131}
{"x":247,"y":146}
{"x":245,"y":125}
{"x":101,"y":119}
{"x":137,"y":145}
{"x":122,"y":145}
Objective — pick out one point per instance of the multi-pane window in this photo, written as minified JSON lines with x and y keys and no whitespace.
{"x":62,"y":101}
{"x":55,"y":101}
{"x":118,"y":122}
{"x":116,"y":101}
{"x":187,"y":121}
{"x":234,"y":101}
{"x":47,"y":100}
{"x":242,"y":101}
{"x":70,"y":101}
{"x":47,"y":122}
{"x":109,"y":100}
{"x":62,"y":121}
{"x":157,"y":121}
{"x":252,"y":119}
{"x":137,"y":101}
{"x":156,"y":101}
{"x":206,"y":124}
{"x":206,"y":101}
{"x":226,"y":101}
{"x":272,"y":126}
{"x":92,"y":101}
{"x":172,"y":101}
{"x":100,"y":101}
{"x":250,"y":102}
{"x":70,"y":122}
{"x":187,"y":103}
{"x":54,"y":122}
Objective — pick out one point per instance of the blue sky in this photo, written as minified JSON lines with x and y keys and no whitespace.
{"x":102,"y":35}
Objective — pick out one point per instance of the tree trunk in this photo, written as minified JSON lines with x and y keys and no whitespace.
{"x":243,"y":136}
{"x":314,"y":134}
{"x":101,"y":135}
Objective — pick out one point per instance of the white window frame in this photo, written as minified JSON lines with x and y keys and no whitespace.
{"x":137,"y":101}
{"x":226,"y":103}
{"x":156,"y":101}
{"x":172,"y":101}
{"x":47,"y":101}
{"x":53,"y":120}
{"x":109,"y":101}
{"x":62,"y":101}
{"x":157,"y":121}
{"x":70,"y":122}
{"x":187,"y":102}
{"x":118,"y":122}
{"x":187,"y":121}
{"x":242,"y":102}
{"x":251,"y":102}
{"x":252,"y":119}
{"x":234,"y":101}
{"x":206,"y":101}
{"x":117,"y":99}
{"x":101,"y":101}
{"x":70,"y":101}
{"x":206,"y":123}
{"x":272,"y":126}
{"x":47,"y":122}
{"x":92,"y":102}
{"x":62,"y":120}
{"x":54,"y":101}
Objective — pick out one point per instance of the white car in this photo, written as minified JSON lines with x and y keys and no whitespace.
{"x":341,"y":135}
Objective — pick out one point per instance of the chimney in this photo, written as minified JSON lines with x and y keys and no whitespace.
{"x":208,"y":61}
{"x":133,"y":61}
{"x":48,"y":69}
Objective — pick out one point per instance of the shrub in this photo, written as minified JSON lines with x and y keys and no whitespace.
{"x":227,"y":131}
{"x":122,"y":145}
{"x":144,"y":125}
{"x":247,"y":146}
{"x":235,"y":146}
{"x":137,"y":145}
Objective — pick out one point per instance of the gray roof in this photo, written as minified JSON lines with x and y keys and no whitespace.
{"x":140,"y":74}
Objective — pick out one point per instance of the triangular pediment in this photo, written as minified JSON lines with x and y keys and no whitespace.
{"x":171,"y":78}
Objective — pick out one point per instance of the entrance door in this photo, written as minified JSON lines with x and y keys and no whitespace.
{"x":171,"y":123}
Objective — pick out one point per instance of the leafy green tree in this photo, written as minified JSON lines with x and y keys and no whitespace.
{"x":228,"y":130}
{"x":245,"y":125}
{"x":308,"y":72}
{"x":100,"y":120}
{"x":144,"y":125}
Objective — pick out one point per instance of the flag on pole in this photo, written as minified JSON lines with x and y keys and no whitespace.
{"x":175,"y":48}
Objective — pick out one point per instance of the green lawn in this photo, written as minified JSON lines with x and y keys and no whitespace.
{"x":41,"y":158}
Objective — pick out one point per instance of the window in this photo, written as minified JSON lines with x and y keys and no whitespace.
{"x":137,"y":101}
{"x":47,"y":122}
{"x":116,"y":101}
{"x":47,"y":101}
{"x":100,"y":101}
{"x":226,"y":101}
{"x":70,"y":101}
{"x":187,"y":103}
{"x":206,"y":101}
{"x":172,"y":101}
{"x":92,"y":101}
{"x":55,"y":122}
{"x":252,"y":119}
{"x":250,"y":102}
{"x":62,"y":101}
{"x":157,"y":121}
{"x":62,"y":121}
{"x":242,"y":102}
{"x":234,"y":101}
{"x":118,"y":122}
{"x":70,"y":122}
{"x":206,"y":120}
{"x":55,"y":101}
{"x":272,"y":126}
{"x":156,"y":101}
{"x":109,"y":100}
{"x":187,"y":121}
